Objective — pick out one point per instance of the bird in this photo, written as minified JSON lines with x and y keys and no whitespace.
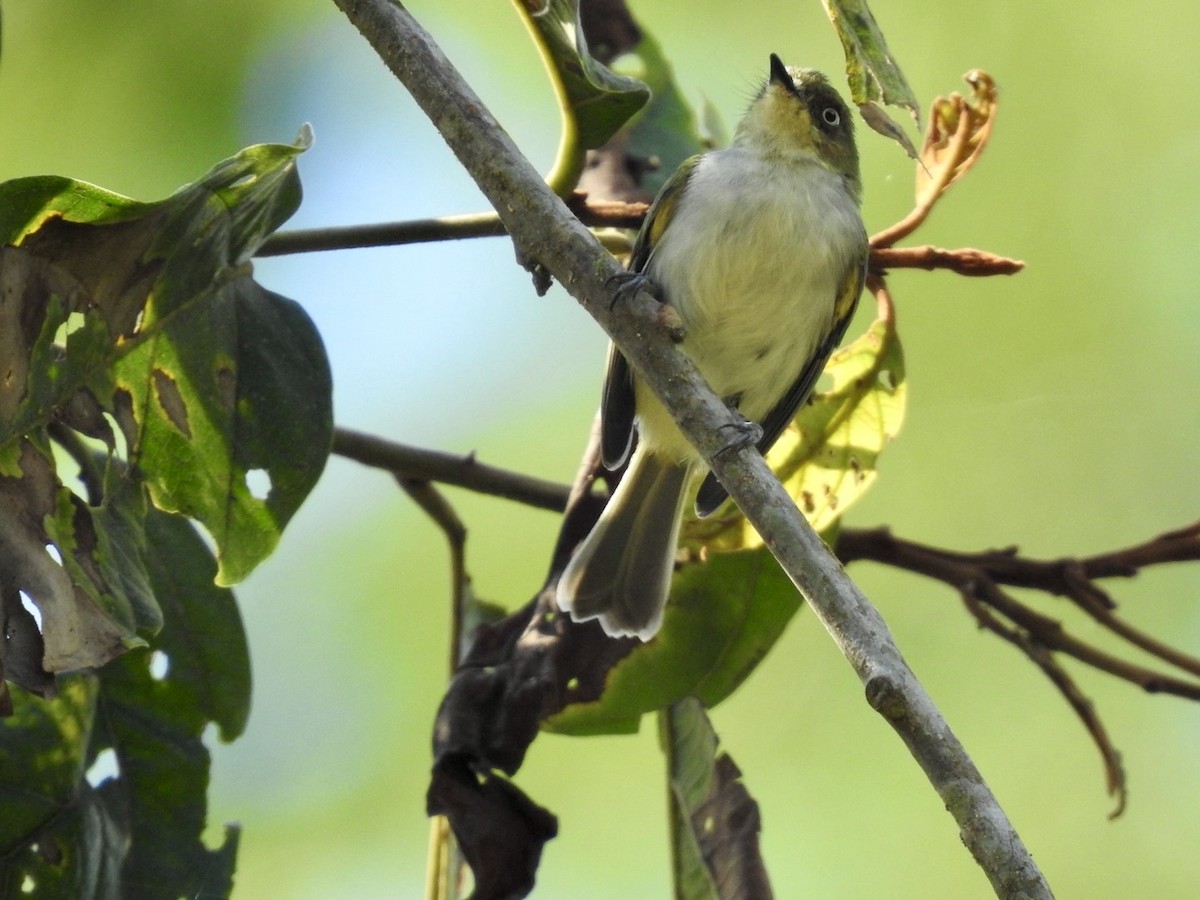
{"x":760,"y":250}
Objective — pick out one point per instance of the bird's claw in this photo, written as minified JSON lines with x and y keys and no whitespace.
{"x":745,"y":434}
{"x":624,"y":286}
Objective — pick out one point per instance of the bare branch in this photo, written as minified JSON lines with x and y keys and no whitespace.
{"x":383,"y":234}
{"x":596,"y":214}
{"x":416,"y":464}
{"x":1082,"y":706}
{"x":983,"y":574}
{"x":979,"y":578}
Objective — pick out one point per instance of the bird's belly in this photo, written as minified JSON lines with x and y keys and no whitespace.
{"x":751,"y":329}
{"x":754,"y":272}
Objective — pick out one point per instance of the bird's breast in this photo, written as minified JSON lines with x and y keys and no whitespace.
{"x":753,"y":262}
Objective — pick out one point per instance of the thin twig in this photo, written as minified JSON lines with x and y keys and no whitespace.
{"x":1084,"y":709}
{"x":445,"y":869}
{"x":545,"y":230}
{"x":979,"y":579}
{"x":984,"y":574}
{"x":965,"y":261}
{"x":595,"y":214}
{"x":383,"y":234}
{"x":447,"y":468}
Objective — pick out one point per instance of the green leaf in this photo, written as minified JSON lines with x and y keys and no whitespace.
{"x":871,"y":71}
{"x":138,"y":833}
{"x":154,"y":720}
{"x":690,"y":746}
{"x":102,"y":551}
{"x":723,"y":616}
{"x":233,"y":385}
{"x":43,"y":758}
{"x":147,"y":314}
{"x":595,"y":100}
{"x":202,"y":637}
{"x":77,"y":629}
{"x":57,"y":840}
{"x":715,"y":822}
{"x":666,"y":131}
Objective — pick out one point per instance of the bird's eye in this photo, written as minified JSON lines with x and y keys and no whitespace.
{"x":831,"y":117}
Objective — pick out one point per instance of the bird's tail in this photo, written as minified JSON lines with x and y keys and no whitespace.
{"x":621,"y":573}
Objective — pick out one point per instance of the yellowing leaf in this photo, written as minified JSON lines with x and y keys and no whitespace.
{"x":827,"y":457}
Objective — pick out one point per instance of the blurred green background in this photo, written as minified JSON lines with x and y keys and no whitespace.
{"x":1056,"y":409}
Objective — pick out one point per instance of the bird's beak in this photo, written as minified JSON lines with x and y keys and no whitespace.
{"x":779,"y":74}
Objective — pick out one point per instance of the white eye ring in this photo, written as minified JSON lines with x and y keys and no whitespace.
{"x":831,"y":116}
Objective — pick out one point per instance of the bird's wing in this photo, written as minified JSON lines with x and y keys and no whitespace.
{"x":617,"y":408}
{"x":712,"y":494}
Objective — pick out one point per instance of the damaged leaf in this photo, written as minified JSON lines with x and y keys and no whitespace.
{"x":501,"y":831}
{"x":715,"y":822}
{"x":959,"y":129}
{"x":872,"y":73}
{"x":139,"y":831}
{"x":144,"y":318}
{"x":827,"y":458}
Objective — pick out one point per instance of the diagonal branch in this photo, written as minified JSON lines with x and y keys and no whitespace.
{"x":545,"y":230}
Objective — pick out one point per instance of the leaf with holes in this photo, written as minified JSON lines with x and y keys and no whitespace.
{"x":138,"y":726}
{"x":154,"y":717}
{"x":56,"y":839}
{"x":146,"y":315}
{"x":715,"y":823}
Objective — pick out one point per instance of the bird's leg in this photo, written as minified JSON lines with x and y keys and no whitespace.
{"x":742,"y":433}
{"x":627,"y":285}
{"x":624,"y":286}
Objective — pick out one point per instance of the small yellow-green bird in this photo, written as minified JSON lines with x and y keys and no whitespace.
{"x":761,"y":250}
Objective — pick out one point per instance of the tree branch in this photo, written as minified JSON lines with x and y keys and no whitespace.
{"x":545,"y":230}
{"x":979,"y":579}
{"x":416,"y":464}
{"x":596,"y":214}
{"x":982,"y":576}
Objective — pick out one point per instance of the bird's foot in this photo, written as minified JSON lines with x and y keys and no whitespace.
{"x":627,"y":285}
{"x":624,"y":286}
{"x":738,"y":435}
